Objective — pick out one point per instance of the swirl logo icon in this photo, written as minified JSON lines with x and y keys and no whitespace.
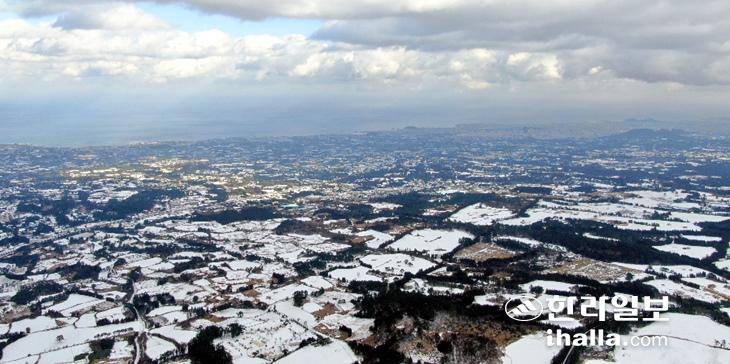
{"x":523,"y":308}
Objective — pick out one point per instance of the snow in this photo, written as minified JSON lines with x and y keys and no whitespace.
{"x":311,"y":307}
{"x":705,"y":238}
{"x":283,"y":293}
{"x":663,"y":199}
{"x":354,"y":274}
{"x":163,"y":310}
{"x":242,"y":265}
{"x":265,"y":333}
{"x":626,"y":223}
{"x":530,"y":349}
{"x":181,"y":291}
{"x":288,"y":310}
{"x":163,"y":266}
{"x":565,"y":322}
{"x":494,"y":299}
{"x":669,"y":287}
{"x":44,"y":341}
{"x":435,"y":242}
{"x":622,"y":216}
{"x":65,"y":355}
{"x":549,"y":285}
{"x":697,"y":218}
{"x":114,"y":314}
{"x":526,"y":241}
{"x":689,"y":342}
{"x":723,"y":264}
{"x":75,"y":303}
{"x":145,"y":263}
{"x":336,"y":352}
{"x":341,"y":300}
{"x":380,"y":206}
{"x":121,"y":349}
{"x":697,"y":252}
{"x":39,"y":323}
{"x":421,"y":286}
{"x":175,"y":334}
{"x":597,"y":237}
{"x":396,"y":263}
{"x":480,"y":214}
{"x":682,"y":270}
{"x":360,"y":326}
{"x":168,"y":314}
{"x":156,"y":347}
{"x":722,"y":289}
{"x":378,"y":238}
{"x":317,"y":282}
{"x":86,"y":320}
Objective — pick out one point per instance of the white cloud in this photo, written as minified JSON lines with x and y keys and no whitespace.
{"x":475,"y":44}
{"x":190,"y":67}
{"x":651,"y":41}
{"x":322,"y":9}
{"x":150,"y":51}
{"x":112,"y":17}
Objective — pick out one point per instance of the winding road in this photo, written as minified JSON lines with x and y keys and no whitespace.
{"x":139,"y":339}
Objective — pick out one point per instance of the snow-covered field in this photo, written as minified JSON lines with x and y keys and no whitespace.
{"x":113,"y":314}
{"x":622,"y":216}
{"x":360,"y":326}
{"x":75,"y":303}
{"x":661,"y":199}
{"x":723,"y":264}
{"x":156,"y":347}
{"x":682,"y":270}
{"x":121,"y":349}
{"x":396,"y":263}
{"x":65,"y":355}
{"x":317,"y":282}
{"x":424,"y":287}
{"x":168,"y":314}
{"x":598,"y":237}
{"x":494,"y":299}
{"x":336,"y":352}
{"x":266,"y":334}
{"x":481,"y":214}
{"x":382,"y":206}
{"x":434,"y":242}
{"x":354,"y":274}
{"x":549,"y":285}
{"x":378,"y":238}
{"x":34,"y":324}
{"x":519,"y":239}
{"x":721,"y":288}
{"x":697,"y":252}
{"x":690,"y":341}
{"x":668,"y":287}
{"x":283,"y":293}
{"x":173,"y":333}
{"x":530,"y":349}
{"x":64,"y":337}
{"x":705,"y":238}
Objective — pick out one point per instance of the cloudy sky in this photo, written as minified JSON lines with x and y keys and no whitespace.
{"x":433,"y":62}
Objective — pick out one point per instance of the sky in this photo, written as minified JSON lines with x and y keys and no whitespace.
{"x":100,"y":71}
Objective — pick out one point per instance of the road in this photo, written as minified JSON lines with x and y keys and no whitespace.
{"x":138,"y":340}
